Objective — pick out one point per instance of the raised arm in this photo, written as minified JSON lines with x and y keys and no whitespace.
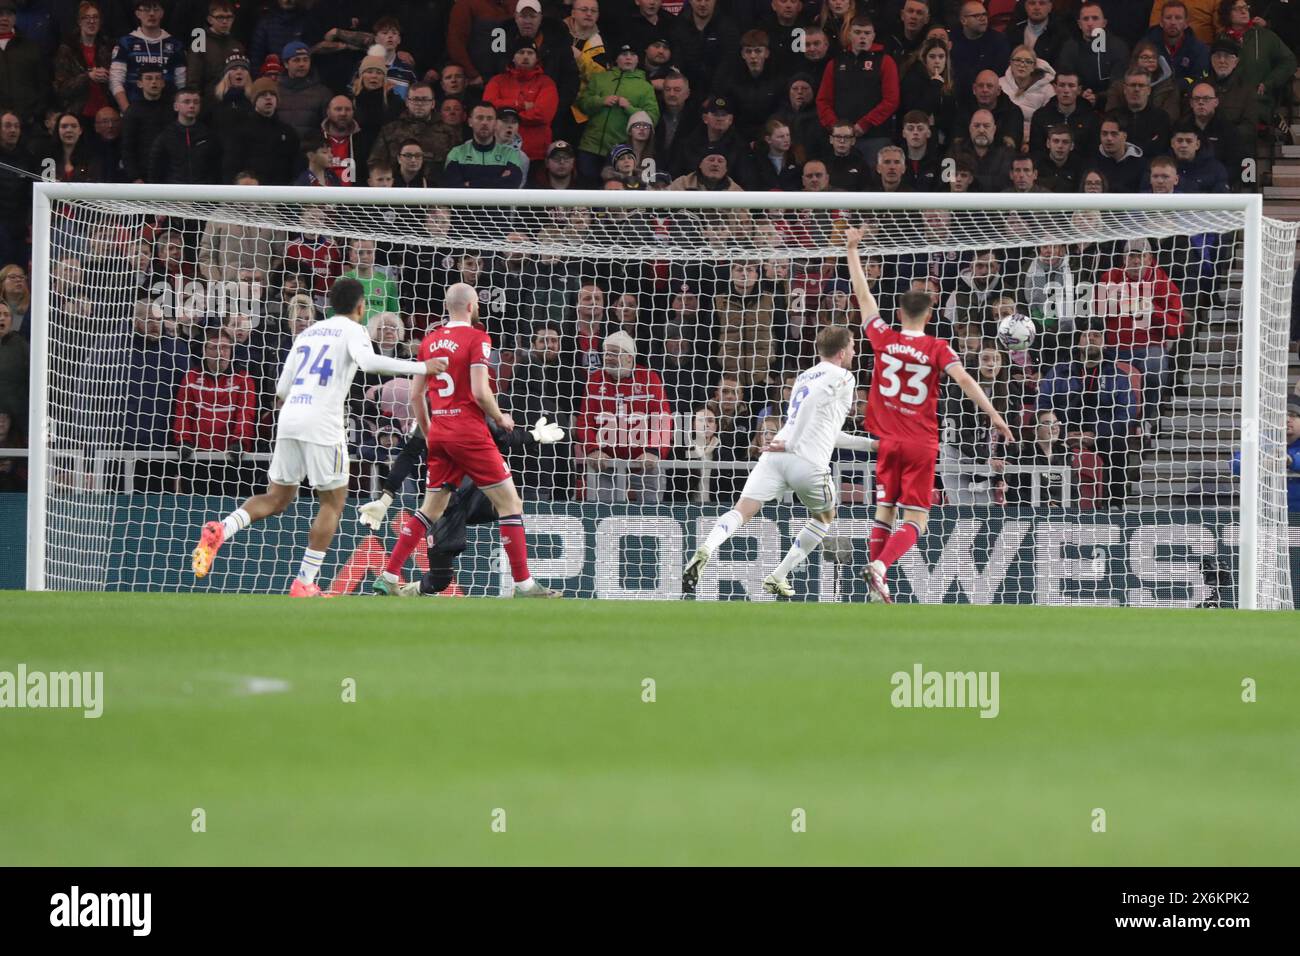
{"x":866,"y":301}
{"x":976,"y":395}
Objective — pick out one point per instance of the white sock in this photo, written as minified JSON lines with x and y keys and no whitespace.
{"x":311,"y":561}
{"x":388,"y":576}
{"x":726,"y":526}
{"x":808,"y":540}
{"x":235,"y":522}
{"x":527,"y":584}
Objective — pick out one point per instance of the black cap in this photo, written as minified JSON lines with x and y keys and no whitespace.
{"x":1293,"y":405}
{"x":718,"y":104}
{"x":560,"y":146}
{"x":508,"y":112}
{"x":1225,"y":45}
{"x":714,"y":151}
{"x":660,"y":39}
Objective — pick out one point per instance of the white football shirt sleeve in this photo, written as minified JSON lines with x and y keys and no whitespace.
{"x":363,"y":353}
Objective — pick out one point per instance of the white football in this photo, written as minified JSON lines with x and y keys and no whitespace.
{"x":1016,"y":333}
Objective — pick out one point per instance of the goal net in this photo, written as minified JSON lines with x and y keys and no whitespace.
{"x":662,"y":332}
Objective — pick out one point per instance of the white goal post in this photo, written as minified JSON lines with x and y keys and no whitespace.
{"x":758,"y":272}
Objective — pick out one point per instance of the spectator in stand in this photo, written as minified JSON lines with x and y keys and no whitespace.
{"x":506,"y":134}
{"x":1200,"y":17}
{"x":468,"y":34}
{"x":13,"y":471}
{"x":416,"y":123}
{"x":1059,"y":168}
{"x":986,"y":94}
{"x":848,"y":169}
{"x":710,"y":175}
{"x":230,"y":252}
{"x":975,"y":47}
{"x":205,"y":62}
{"x":677,"y":117}
{"x":106,"y":144}
{"x":319,"y":172}
{"x":1095,"y":401}
{"x":1187,"y":56}
{"x":1028,"y":84}
{"x":735,"y":425}
{"x":374,"y":104}
{"x":890,"y":172}
{"x":379,"y":175}
{"x":921,"y":164}
{"x":702,"y":445}
{"x":1167,"y":90}
{"x":559,"y":170}
{"x":230,"y":103}
{"x":1045,"y":451}
{"x":399,"y":64}
{"x":624,"y":428}
{"x":609,"y":99}
{"x":531,"y":94}
{"x":1217,"y":135}
{"x":704,"y":40}
{"x":1238,"y":97}
{"x":1097,"y":55}
{"x":1143,"y":312}
{"x":1197,"y":169}
{"x":186,"y":151}
{"x":907,"y":35}
{"x":72,"y":158}
{"x":977,"y":286}
{"x":1067,"y":108}
{"x":752,"y":85}
{"x":746,"y":318}
{"x":262,"y":142}
{"x":14,"y":367}
{"x":144,"y":122}
{"x":17,"y":294}
{"x":1266,"y":61}
{"x":1162,"y":177}
{"x":411,"y":163}
{"x":148,"y":45}
{"x":24,"y":69}
{"x":314,"y":255}
{"x":276,"y":28}
{"x":799,"y":112}
{"x":215,"y":411}
{"x":482,"y":163}
{"x":302,"y":97}
{"x":15,"y":188}
{"x":718,"y":132}
{"x":1122,"y":163}
{"x":1049,"y":293}
{"x":1041,"y":30}
{"x":381,"y":291}
{"x":1024,"y":176}
{"x":990,"y":160}
{"x":860,"y":87}
{"x":81,"y":65}
{"x":158,"y":362}
{"x":643,"y":25}
{"x":342,"y":132}
{"x":771,"y":166}
{"x":816,"y":54}
{"x":542,"y":385}
{"x":1148,"y":126}
{"x":927,"y":86}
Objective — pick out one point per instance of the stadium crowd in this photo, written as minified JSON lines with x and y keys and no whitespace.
{"x":669,"y":361}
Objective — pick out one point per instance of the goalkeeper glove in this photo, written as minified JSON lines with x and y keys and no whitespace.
{"x":546,"y":433}
{"x":372,"y":513}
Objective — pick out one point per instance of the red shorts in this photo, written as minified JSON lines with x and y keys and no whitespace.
{"x":451,"y":459}
{"x":905,"y":474}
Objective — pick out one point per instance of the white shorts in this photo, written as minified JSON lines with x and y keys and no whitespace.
{"x":779,"y":472}
{"x":324,"y":466}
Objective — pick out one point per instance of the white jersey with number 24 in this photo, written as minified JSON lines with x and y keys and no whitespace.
{"x":317,"y":378}
{"x":819,"y":403}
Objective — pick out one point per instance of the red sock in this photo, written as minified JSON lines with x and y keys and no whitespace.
{"x":413,"y":532}
{"x":879,"y":535}
{"x":515,"y":541}
{"x":899,"y":543}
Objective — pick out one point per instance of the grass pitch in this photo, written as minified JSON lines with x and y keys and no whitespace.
{"x":233,"y":704}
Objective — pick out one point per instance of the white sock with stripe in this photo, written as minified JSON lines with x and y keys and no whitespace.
{"x":311,"y":562}
{"x":725,"y":527}
{"x":808,"y":540}
{"x":235,"y":522}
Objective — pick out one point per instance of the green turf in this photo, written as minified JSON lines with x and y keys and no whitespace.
{"x":464,"y":706}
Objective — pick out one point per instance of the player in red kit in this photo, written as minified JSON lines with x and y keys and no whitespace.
{"x":902,"y":412}
{"x":453,"y":415}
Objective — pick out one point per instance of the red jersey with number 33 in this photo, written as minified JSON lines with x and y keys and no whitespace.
{"x":904,"y":402}
{"x":453,"y":413}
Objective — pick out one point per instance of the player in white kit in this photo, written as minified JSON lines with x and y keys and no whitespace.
{"x":797,"y":460}
{"x":310,"y":441}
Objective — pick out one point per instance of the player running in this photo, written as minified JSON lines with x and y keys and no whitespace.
{"x":453,"y":414}
{"x":310,"y":442}
{"x":797,"y":460}
{"x":902,"y":412}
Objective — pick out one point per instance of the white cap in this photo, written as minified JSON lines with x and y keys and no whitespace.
{"x":621,"y":341}
{"x":528,"y":5}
